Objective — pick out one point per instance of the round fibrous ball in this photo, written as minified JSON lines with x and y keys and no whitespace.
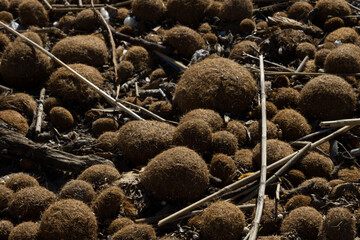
{"x":86,"y":20}
{"x":292,"y":124}
{"x":335,"y":8}
{"x":51,"y":102}
{"x":34,"y":66}
{"x":316,"y":165}
{"x":4,"y":41}
{"x":236,"y":10}
{"x":272,"y":131}
{"x":222,"y":167}
{"x":295,"y":177}
{"x":310,"y":66}
{"x":271,"y":110}
{"x":19,"y":181}
{"x":177,"y":174}
{"x":142,"y":140}
{"x":25,"y":231}
{"x":247,"y":26}
{"x":135,"y":232}
{"x":61,"y":117}
{"x":185,"y":40}
{"x":108,"y":202}
{"x":275,"y":150}
{"x":28,"y":203}
{"x":119,"y":224}
{"x":269,"y":220}
{"x":305,"y":49}
{"x":243,"y":159}
{"x":286,"y":98}
{"x":339,"y":223}
{"x":343,"y":59}
{"x":204,"y":28}
{"x":33,"y":36}
{"x":14,"y":121}
{"x":70,"y":89}
{"x":5,"y":229}
{"x":102,"y":125}
{"x":224,"y":142}
{"x":214,"y":9}
{"x":345,"y":191}
{"x":305,"y":221}
{"x":333,"y":183}
{"x":332,"y":24}
{"x":107,"y":141}
{"x":4,"y":5}
{"x":162,"y":108}
{"x":327,"y":97}
{"x":66,"y":23}
{"x":5,"y":195}
{"x":68,"y":219}
{"x":210,"y":38}
{"x":297,"y":201}
{"x":99,"y":174}
{"x":222,"y":220}
{"x":32,"y":12}
{"x":351,"y":174}
{"x":148,"y":10}
{"x":79,"y":190}
{"x":188,"y":12}
{"x":212,"y":118}
{"x":85,"y":49}
{"x":139,"y":57}
{"x":21,"y":102}
{"x":270,"y":238}
{"x":320,"y":186}
{"x":218,"y":83}
{"x":125,"y":71}
{"x":194,"y":134}
{"x":239,"y":130}
{"x":246,"y":46}
{"x":320,"y":57}
{"x":299,"y":10}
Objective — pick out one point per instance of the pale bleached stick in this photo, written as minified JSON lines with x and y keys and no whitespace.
{"x":48,"y":4}
{"x":302,"y":64}
{"x":340,"y":123}
{"x":96,"y":88}
{"x":248,"y":179}
{"x":40,"y":111}
{"x":171,"y":60}
{"x":274,"y":73}
{"x":262,"y":185}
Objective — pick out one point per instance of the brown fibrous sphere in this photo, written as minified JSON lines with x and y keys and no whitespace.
{"x":272,"y":131}
{"x":79,"y":190}
{"x":343,"y":59}
{"x":316,"y":165}
{"x":85,"y":49}
{"x":333,"y":23}
{"x":51,"y":102}
{"x":320,"y":187}
{"x":184,"y":39}
{"x":327,"y":97}
{"x":162,"y":108}
{"x":243,"y":159}
{"x":188,"y":12}
{"x":271,"y":110}
{"x":86,"y":20}
{"x":344,"y":34}
{"x":28,"y":203}
{"x":107,"y":141}
{"x":299,"y":10}
{"x":119,"y":224}
{"x":177,"y":174}
{"x":275,"y":150}
{"x":5,"y":229}
{"x":236,"y":10}
{"x":135,"y":232}
{"x":68,"y":219}
{"x":99,"y":174}
{"x":224,"y":142}
{"x":139,"y":57}
{"x":286,"y":98}
{"x":142,"y":140}
{"x":61,"y":117}
{"x":295,"y":177}
{"x":305,"y":221}
{"x":297,"y":201}
{"x":5,"y":195}
{"x":269,"y":220}
{"x":351,"y":174}
{"x":125,"y":71}
{"x":102,"y":125}
{"x":247,"y":26}
{"x":108,"y":202}
{"x":239,"y":130}
{"x":339,"y":223}
{"x":237,"y":52}
{"x":335,"y":8}
{"x":223,"y":167}
{"x":292,"y":124}
{"x":32,"y":12}
{"x":305,"y":49}
{"x":21,"y":102}
{"x":19,"y":181}
{"x":219,"y":84}
{"x":14,"y":121}
{"x":148,"y":10}
{"x":25,"y":231}
{"x":320,"y":57}
{"x":212,"y":118}
{"x":222,"y":220}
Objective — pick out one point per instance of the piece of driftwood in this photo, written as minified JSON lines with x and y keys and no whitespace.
{"x":15,"y":144}
{"x":40,"y":110}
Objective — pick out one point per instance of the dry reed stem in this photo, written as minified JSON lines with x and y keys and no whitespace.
{"x":40,"y":110}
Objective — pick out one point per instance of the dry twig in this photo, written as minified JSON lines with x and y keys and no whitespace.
{"x":39,"y":115}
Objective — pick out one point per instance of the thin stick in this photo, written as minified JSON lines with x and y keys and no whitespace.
{"x":76,"y":7}
{"x":48,"y":4}
{"x":262,"y":186}
{"x":248,"y":179}
{"x":111,"y":38}
{"x":352,"y":6}
{"x":40,"y":111}
{"x":80,"y":4}
{"x":270,"y":73}
{"x":96,"y":88}
{"x":266,"y":61}
{"x":5,"y":89}
{"x":302,"y":64}
{"x":172,"y":61}
{"x":315,"y":134}
{"x":340,"y":123}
